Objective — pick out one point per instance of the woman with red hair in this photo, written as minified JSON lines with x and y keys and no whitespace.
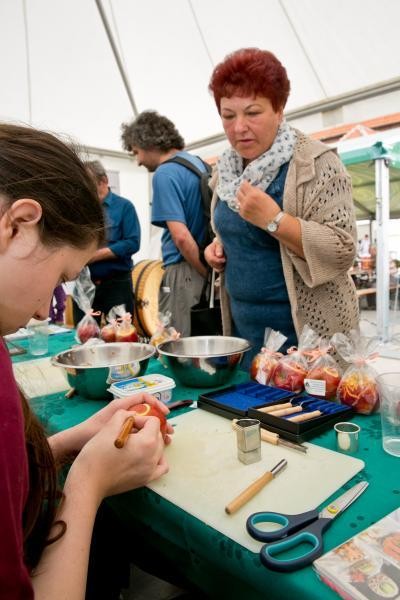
{"x":282,"y":211}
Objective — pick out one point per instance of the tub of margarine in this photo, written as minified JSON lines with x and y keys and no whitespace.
{"x":159,"y":386}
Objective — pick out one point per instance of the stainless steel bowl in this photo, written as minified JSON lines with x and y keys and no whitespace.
{"x":91,"y":369}
{"x":204,"y":361}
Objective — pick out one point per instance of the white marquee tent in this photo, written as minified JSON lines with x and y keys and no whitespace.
{"x":58,"y":69}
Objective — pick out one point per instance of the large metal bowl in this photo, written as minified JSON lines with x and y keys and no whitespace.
{"x":91,"y":369}
{"x":204,"y":361}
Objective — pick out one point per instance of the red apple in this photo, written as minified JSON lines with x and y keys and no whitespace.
{"x":148,"y":410}
{"x":289,"y":375}
{"x":87,"y":331}
{"x":330,"y":375}
{"x":359,"y":390}
{"x":262,"y":367}
{"x":126,"y":334}
{"x":108,"y":333}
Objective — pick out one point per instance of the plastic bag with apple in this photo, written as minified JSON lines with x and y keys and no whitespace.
{"x":109,"y":331}
{"x":325,"y":370}
{"x":290,"y":371}
{"x":83,"y":294}
{"x":164,"y":332}
{"x":264,"y":362}
{"x":358,"y":387}
{"x":126,"y":331}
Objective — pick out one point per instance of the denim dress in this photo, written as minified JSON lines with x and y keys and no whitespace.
{"x":254,"y":276}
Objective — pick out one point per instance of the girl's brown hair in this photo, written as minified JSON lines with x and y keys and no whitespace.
{"x":35,"y":164}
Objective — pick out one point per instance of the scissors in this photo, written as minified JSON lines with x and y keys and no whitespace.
{"x":296,"y":530}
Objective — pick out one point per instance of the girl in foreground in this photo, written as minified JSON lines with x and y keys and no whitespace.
{"x":51,"y":223}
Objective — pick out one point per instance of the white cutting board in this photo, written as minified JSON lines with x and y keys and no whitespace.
{"x":205,"y":475}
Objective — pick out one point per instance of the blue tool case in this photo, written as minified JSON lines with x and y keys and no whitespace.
{"x":246,"y":400}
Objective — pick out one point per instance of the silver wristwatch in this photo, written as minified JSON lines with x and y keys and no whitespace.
{"x":273,"y":225}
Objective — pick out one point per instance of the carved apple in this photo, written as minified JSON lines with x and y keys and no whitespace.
{"x":148,"y":410}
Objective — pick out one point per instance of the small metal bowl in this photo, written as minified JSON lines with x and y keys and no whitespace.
{"x":91,"y":370}
{"x":204,"y":361}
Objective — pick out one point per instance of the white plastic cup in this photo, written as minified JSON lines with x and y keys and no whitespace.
{"x":389,"y":395}
{"x":39,"y":337}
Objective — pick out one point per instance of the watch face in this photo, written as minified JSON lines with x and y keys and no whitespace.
{"x":272,"y":227}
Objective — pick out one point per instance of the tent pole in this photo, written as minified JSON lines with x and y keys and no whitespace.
{"x":117,"y":57}
{"x":382,"y":192}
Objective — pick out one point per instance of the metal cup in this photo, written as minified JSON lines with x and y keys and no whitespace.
{"x":248,"y":440}
{"x":347,"y":437}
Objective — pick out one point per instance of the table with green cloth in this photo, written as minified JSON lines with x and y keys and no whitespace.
{"x":210,"y":560}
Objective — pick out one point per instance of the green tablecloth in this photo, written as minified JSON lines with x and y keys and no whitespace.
{"x":220,"y":567}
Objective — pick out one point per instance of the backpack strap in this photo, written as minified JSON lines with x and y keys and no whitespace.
{"x":203,"y":176}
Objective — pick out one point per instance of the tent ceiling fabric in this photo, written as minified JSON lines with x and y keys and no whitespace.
{"x":58,"y":70}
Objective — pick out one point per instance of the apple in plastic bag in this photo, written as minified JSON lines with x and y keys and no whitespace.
{"x":148,"y":410}
{"x":261,"y":367}
{"x":360,"y":391}
{"x":86,"y":331}
{"x":108,"y":333}
{"x":330,"y":375}
{"x":289,"y":375}
{"x":126,"y":334}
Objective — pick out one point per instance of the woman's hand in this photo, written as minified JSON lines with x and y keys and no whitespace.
{"x":214,"y":255}
{"x":255,"y":206}
{"x":106,"y":470}
{"x":73,"y":439}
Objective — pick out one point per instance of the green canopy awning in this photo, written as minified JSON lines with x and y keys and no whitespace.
{"x":360,"y":164}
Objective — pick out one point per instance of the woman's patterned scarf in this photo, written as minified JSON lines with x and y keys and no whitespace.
{"x":259,"y":172}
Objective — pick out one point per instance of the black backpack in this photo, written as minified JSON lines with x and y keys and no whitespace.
{"x":206,"y":195}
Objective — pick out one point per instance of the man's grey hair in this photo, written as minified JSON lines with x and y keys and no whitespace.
{"x":151,"y":131}
{"x":96,"y":169}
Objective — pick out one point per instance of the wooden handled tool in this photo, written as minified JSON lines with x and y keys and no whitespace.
{"x":305,"y":416}
{"x":124,"y":433}
{"x":285,"y":411}
{"x":254,"y":488}
{"x":273,"y":438}
{"x":268,"y":409}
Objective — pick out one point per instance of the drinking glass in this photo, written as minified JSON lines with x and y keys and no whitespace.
{"x":389,"y":394}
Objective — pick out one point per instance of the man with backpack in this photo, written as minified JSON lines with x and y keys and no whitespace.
{"x":178,"y":206}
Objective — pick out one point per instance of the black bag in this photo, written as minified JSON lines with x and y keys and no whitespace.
{"x":205,"y":317}
{"x":206,"y":195}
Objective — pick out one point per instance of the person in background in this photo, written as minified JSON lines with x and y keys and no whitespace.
{"x":364,"y":247}
{"x":57,"y":306}
{"x":111,"y":265}
{"x":177,"y":207}
{"x":282,"y":211}
{"x":46,"y":237}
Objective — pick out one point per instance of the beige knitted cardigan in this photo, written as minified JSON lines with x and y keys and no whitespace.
{"x":318,"y":192}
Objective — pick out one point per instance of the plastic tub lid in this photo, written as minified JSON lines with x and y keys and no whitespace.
{"x":146,"y":383}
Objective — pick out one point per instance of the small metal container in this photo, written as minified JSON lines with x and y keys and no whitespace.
{"x":248,"y":440}
{"x":347,"y":437}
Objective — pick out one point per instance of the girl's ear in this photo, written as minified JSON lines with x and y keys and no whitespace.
{"x":21,"y":215}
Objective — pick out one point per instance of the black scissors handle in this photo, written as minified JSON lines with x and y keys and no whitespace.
{"x":289,"y":524}
{"x":310,"y":535}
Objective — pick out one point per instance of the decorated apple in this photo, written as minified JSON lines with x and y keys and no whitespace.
{"x":289,"y":374}
{"x":126,"y":334}
{"x":330,"y":375}
{"x":359,"y":390}
{"x":262,"y":366}
{"x":148,"y":410}
{"x":108,"y":333}
{"x":88,"y":330}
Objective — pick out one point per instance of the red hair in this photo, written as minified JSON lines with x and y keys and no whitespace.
{"x":251,"y":72}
